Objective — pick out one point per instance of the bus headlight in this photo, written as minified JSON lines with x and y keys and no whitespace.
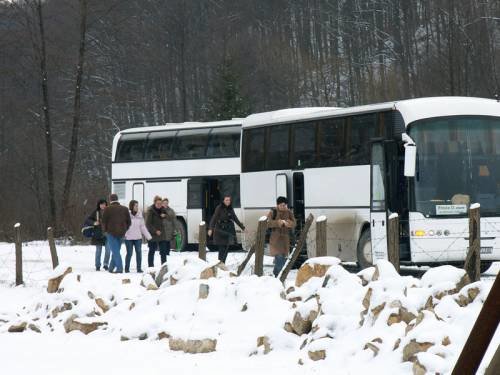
{"x":431,"y":233}
{"x":419,"y":233}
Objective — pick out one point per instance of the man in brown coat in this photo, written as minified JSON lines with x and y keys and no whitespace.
{"x":281,"y":221}
{"x":115,"y":222}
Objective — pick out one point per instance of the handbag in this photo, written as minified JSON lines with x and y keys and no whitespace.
{"x":88,"y":231}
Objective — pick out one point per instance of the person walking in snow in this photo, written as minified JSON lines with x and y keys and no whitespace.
{"x":115,"y":222}
{"x":222,"y":227}
{"x":98,"y":238}
{"x":281,"y":221}
{"x":154,"y":222}
{"x":134,"y":235}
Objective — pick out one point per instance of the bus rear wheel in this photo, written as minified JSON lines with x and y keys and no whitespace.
{"x":364,"y":250}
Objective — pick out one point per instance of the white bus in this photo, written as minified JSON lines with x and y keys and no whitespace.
{"x":192,"y":164}
{"x":349,"y":165}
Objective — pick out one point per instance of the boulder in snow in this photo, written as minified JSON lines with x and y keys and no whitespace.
{"x":17,"y":328}
{"x":203,"y":292}
{"x":317,"y":355}
{"x":263,"y":341}
{"x":58,"y":276}
{"x":72,"y":324}
{"x":413,"y":347}
{"x":192,"y":346}
{"x":314,"y":267}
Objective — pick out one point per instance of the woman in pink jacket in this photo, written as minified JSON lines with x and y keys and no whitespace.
{"x":133,"y":237}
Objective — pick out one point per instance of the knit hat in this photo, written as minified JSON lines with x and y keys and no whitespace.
{"x":113,"y":198}
{"x":281,"y":200}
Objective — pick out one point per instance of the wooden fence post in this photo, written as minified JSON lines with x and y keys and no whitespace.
{"x":260,"y":241}
{"x":52,"y":246}
{"x":298,"y":248}
{"x":481,"y":334}
{"x":19,"y":254}
{"x":393,"y":243}
{"x":202,"y":241}
{"x":472,"y":263}
{"x":321,"y":226}
{"x":243,"y":264}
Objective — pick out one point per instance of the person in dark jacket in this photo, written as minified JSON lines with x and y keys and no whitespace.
{"x":155,"y":224}
{"x":99,"y":239}
{"x":222,"y":227}
{"x":115,"y":222}
{"x":281,"y":221}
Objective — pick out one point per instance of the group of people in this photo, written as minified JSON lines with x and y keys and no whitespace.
{"x":115,"y":223}
{"x":281,"y":222}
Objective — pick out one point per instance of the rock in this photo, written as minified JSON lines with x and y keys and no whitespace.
{"x":367,"y":299}
{"x":446,"y":341}
{"x":374,"y":348}
{"x":462,"y":300}
{"x":78,"y":277}
{"x":396,"y":344}
{"x":264,"y":342}
{"x":300,"y":362}
{"x":132,"y":305}
{"x":59,"y":309}
{"x":317,"y":355}
{"x":17,"y":328}
{"x":91,"y":295}
{"x":203,"y":292}
{"x":173,"y":280}
{"x":161,"y":275}
{"x":418,"y":368}
{"x":100,"y":302}
{"x":34,"y":328}
{"x":163,"y":335}
{"x":290,"y":290}
{"x":148,"y":282}
{"x":209,"y":272}
{"x":307,"y":270}
{"x":403,"y":315}
{"x":222,"y":266}
{"x":73,"y":325}
{"x":193,"y":346}
{"x":54,"y":283}
{"x":244,"y":307}
{"x":414,"y":347}
{"x":125,"y":281}
{"x":472,"y":293}
{"x":124,"y":338}
{"x":303,"y":325}
{"x":377,"y":310}
{"x":288,"y":327}
{"x":378,"y":339}
{"x":143,"y":336}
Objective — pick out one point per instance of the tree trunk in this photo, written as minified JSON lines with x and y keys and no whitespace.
{"x":46,"y":115}
{"x":76,"y":108}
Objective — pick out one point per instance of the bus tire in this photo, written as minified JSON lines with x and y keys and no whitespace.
{"x":183,"y":232}
{"x":364,"y":250}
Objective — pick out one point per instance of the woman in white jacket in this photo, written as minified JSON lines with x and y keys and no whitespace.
{"x":133,"y":237}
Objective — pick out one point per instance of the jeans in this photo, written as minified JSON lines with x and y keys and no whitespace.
{"x":115,"y":243}
{"x":129,"y":245}
{"x":98,"y":252}
{"x":222,"y":249}
{"x":164,"y":251}
{"x":279,"y":262}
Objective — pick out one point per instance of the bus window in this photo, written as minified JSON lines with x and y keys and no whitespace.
{"x":195,"y":193}
{"x":191,"y":144}
{"x":277,"y":148}
{"x":159,"y":146}
{"x":331,"y":142}
{"x":304,"y":145}
{"x":131,"y":147}
{"x":363,"y":130}
{"x":224,"y":142}
{"x":253,"y":150}
{"x":230,"y":185}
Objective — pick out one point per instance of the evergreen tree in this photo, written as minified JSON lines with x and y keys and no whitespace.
{"x":226,"y":101}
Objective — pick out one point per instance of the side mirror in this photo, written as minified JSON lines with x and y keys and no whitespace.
{"x":410,"y":159}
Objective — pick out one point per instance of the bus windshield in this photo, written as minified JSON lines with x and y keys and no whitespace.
{"x":458,"y":163}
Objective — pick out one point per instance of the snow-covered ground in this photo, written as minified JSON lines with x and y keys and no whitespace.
{"x":362,"y":323}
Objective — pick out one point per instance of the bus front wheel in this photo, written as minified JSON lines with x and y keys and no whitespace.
{"x":364,"y":250}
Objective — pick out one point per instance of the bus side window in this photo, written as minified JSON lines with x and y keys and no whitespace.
{"x":363,"y":129}
{"x":304,"y":144}
{"x":331,"y":142}
{"x":253,"y":150}
{"x":277,"y":156}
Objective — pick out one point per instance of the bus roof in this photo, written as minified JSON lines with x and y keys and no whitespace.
{"x":411,"y":110}
{"x":181,"y":125}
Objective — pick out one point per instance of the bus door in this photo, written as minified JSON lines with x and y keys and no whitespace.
{"x":378,"y":206}
{"x":298,"y":200}
{"x":138,"y":194}
{"x":211,"y":198}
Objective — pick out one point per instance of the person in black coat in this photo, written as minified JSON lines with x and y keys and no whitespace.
{"x":222,"y":227}
{"x":98,"y":239}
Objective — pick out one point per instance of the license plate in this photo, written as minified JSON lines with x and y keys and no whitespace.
{"x":487,"y":250}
